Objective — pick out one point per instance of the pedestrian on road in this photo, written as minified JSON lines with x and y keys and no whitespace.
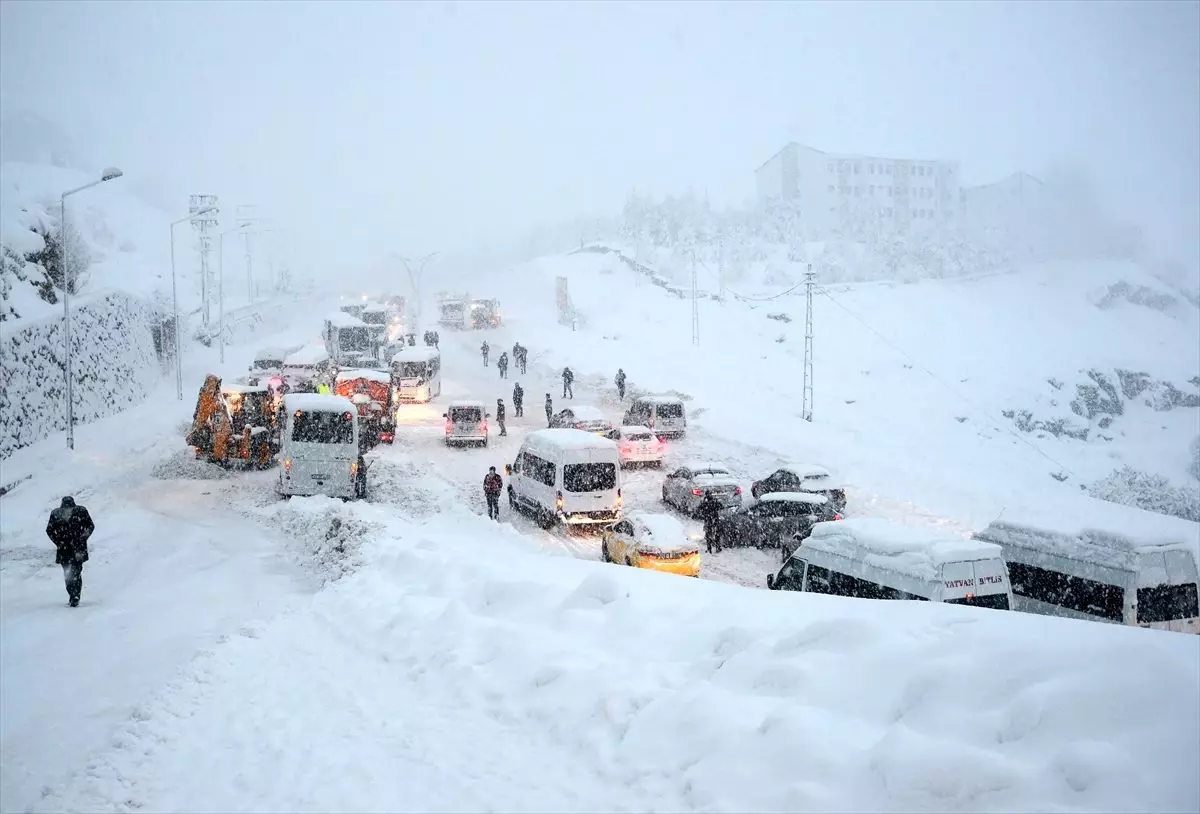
{"x":502,"y":363}
{"x":568,"y":378}
{"x":620,"y":380}
{"x":709,"y":510}
{"x":500,"y":416}
{"x":518,"y":401}
{"x":516,"y":353}
{"x":484,"y":350}
{"x":69,"y":528}
{"x":512,"y":494}
{"x":492,"y":486}
{"x":524,"y":358}
{"x":436,"y":340}
{"x":549,"y":409}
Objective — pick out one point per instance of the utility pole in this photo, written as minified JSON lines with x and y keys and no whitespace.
{"x":202,"y":223}
{"x":695,"y":304}
{"x":243,"y":221}
{"x":806,"y":405}
{"x":415,"y":280}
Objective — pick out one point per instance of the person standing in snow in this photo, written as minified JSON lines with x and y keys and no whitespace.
{"x":549,"y":409}
{"x":69,"y":528}
{"x":708,"y":511}
{"x":500,"y":416}
{"x":568,"y":378}
{"x":620,"y":381}
{"x":502,"y":363}
{"x":437,"y":341}
{"x":516,"y":353}
{"x":484,"y":350}
{"x":518,"y":401}
{"x":492,"y":486}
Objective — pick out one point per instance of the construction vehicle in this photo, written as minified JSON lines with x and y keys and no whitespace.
{"x":349,"y":341}
{"x":454,"y":311}
{"x":371,"y":393}
{"x":485,"y":314}
{"x":233,"y":425}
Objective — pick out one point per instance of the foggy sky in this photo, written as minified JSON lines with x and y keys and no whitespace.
{"x":371,"y":127}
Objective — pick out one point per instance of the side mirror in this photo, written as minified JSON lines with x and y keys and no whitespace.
{"x":445,"y":415}
{"x":770,"y":582}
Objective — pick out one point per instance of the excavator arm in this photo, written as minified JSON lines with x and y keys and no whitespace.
{"x":211,"y":425}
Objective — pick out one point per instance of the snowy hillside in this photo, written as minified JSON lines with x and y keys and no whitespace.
{"x":919,"y":388}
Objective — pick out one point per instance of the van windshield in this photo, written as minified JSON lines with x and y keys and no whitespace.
{"x":670,"y":410}
{"x":1166,"y":603}
{"x":994,"y":601}
{"x":411,"y":370}
{"x":323,"y":428}
{"x":589,"y":477}
{"x":354,"y":339}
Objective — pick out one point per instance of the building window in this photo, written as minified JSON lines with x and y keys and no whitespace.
{"x":857,"y":167}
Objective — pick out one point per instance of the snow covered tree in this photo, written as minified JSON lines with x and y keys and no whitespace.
{"x":1154,"y":493}
{"x":1194,"y":467}
{"x":50,"y":257}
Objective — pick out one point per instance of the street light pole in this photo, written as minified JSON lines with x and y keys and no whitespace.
{"x":415,"y":280}
{"x":175,"y":301}
{"x":108,"y":175}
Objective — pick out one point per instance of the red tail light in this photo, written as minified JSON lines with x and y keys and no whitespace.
{"x":483,"y":426}
{"x":737,"y":490}
{"x":660,"y":439}
{"x":838,"y":517}
{"x":448,"y":426}
{"x":287,"y":464}
{"x":697,"y":492}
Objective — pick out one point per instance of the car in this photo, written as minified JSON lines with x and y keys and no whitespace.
{"x":812,"y":478}
{"x":466,"y":423}
{"x":685,"y":487}
{"x":778,"y":520}
{"x":586,"y":418}
{"x":640,"y":446}
{"x":652,"y":540}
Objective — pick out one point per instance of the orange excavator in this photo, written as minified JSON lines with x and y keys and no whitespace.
{"x":232,"y":425}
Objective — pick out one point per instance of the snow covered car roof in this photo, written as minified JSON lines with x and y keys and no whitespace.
{"x":629,"y":430}
{"x":912,"y":550}
{"x":699,"y":465}
{"x":570,"y":438}
{"x":271,"y":354}
{"x":794,"y":497}
{"x":340,"y":319}
{"x":658,"y":532}
{"x":465,"y":403}
{"x":416,"y":353}
{"x":236,"y":387}
{"x":317,"y":403}
{"x":585,"y":412}
{"x":659,"y":399}
{"x":312,"y":355}
{"x":807,"y":471}
{"x":365,"y":373}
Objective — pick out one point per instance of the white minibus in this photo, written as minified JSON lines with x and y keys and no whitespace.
{"x":417,"y":374}
{"x":319,"y":452}
{"x":567,"y":476}
{"x":870,"y":558}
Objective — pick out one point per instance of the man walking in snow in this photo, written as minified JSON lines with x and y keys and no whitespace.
{"x":500,"y":416}
{"x":620,"y":381}
{"x":708,"y":510}
{"x":484,"y":350}
{"x":524,"y":359}
{"x":502,"y":363}
{"x":492,"y":486}
{"x":69,"y":528}
{"x":518,"y":401}
{"x":549,"y":409}
{"x":568,"y":379}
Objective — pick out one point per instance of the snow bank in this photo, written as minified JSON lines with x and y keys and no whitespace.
{"x":115,"y":365}
{"x":465,"y":670}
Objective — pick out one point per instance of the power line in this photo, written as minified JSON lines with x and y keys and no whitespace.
{"x":938,"y":379}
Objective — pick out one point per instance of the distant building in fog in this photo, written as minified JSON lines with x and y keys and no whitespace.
{"x":835,"y":191}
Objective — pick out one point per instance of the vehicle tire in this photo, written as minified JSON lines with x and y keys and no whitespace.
{"x":629,"y":561}
{"x":545,"y":520}
{"x":604,"y":552}
{"x":664,"y":493}
{"x":754,"y":491}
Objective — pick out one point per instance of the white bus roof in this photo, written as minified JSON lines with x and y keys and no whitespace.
{"x":237,"y":387}
{"x":416,"y":353}
{"x":312,"y":355}
{"x":570,"y":439}
{"x":340,"y":319}
{"x":911,"y":550}
{"x":317,"y":403}
{"x":275,"y":353}
{"x":364,"y":373}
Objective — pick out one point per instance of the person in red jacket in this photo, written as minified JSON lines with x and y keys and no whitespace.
{"x":492,"y":486}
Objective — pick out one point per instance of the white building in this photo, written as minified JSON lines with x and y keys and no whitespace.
{"x":837,"y":192}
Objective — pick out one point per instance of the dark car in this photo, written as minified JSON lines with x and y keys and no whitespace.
{"x":780,"y":520}
{"x":812,"y":478}
{"x":586,"y":418}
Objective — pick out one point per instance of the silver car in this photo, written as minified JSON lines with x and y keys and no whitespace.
{"x":466,"y":423}
{"x":685,"y":487}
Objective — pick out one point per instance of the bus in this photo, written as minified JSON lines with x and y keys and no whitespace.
{"x":416,"y":374}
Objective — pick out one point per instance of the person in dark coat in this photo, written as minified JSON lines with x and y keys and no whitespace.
{"x":518,"y":401}
{"x":492,"y":486}
{"x":549,"y":409}
{"x":516,"y":353}
{"x":709,"y":510}
{"x":483,"y":349}
{"x":502,"y":363}
{"x":437,"y":340}
{"x":500,"y":416}
{"x":568,"y":378}
{"x":524,"y":360}
{"x":69,"y":528}
{"x":620,"y":381}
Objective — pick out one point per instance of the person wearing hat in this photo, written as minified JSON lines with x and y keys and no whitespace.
{"x":492,"y":486}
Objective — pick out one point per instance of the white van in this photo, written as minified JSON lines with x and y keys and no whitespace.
{"x":319,"y":448}
{"x":1139,"y":569}
{"x":870,"y":558}
{"x":662,"y":414}
{"x":466,"y":423}
{"x":416,"y":374}
{"x":567,"y":476}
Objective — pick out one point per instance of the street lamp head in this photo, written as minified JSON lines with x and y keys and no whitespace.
{"x":110,"y":173}
{"x":203,"y":211}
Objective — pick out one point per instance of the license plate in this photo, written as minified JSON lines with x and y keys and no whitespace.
{"x":320,"y":477}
